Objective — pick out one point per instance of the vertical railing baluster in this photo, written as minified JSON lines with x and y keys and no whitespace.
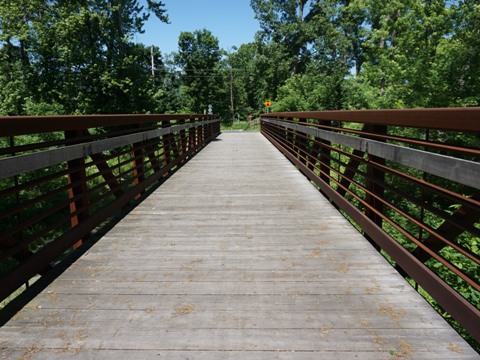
{"x":78,"y":189}
{"x":138,"y":164}
{"x":375,"y":177}
{"x":325,"y":156}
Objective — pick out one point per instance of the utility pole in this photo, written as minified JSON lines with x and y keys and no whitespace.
{"x":153,"y":65}
{"x":231,"y":92}
{"x":153,"y":62}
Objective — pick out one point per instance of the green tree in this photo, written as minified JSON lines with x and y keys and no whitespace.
{"x":334,"y":33}
{"x":199,"y":57}
{"x":339,"y":32}
{"x":271,"y":70}
{"x":401,"y":49}
{"x":243,"y":61}
{"x":76,"y":56}
{"x":13,"y":81}
{"x":15,"y":64}
{"x":456,"y":68}
{"x":283,"y":22}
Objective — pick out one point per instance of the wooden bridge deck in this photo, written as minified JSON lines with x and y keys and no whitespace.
{"x":237,"y":256}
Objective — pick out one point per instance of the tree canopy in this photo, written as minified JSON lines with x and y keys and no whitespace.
{"x":62,"y":57}
{"x":73,"y":56}
{"x":375,"y":54}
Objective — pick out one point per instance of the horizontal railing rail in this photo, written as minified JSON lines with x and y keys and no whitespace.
{"x":409,"y":180}
{"x":62,"y":177}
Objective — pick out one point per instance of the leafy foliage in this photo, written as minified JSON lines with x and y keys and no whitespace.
{"x":372,"y":54}
{"x":74,"y":57}
{"x":199,"y":57}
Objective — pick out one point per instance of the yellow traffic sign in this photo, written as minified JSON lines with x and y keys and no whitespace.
{"x":268,"y":103}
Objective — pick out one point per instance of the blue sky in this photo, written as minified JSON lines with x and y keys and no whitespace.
{"x":231,"y":21}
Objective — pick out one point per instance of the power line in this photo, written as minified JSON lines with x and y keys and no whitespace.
{"x":194,"y":70}
{"x":182,"y":73}
{"x":205,"y":76}
{"x":210,"y":70}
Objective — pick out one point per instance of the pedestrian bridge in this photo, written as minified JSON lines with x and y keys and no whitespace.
{"x":237,"y":255}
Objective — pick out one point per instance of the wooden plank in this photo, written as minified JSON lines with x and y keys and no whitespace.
{"x":237,"y":255}
{"x":379,"y":343}
{"x":107,"y":354}
{"x":208,"y":318}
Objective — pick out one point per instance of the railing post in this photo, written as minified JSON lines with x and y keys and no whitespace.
{"x":167,"y":145}
{"x":197,"y":133}
{"x":302,"y":144}
{"x":290,"y":137}
{"x":177,"y":143}
{"x":208,"y":132}
{"x":182,"y":140}
{"x":375,"y":177}
{"x":78,"y":189}
{"x":191,"y":135}
{"x":138,"y":166}
{"x":325,"y":156}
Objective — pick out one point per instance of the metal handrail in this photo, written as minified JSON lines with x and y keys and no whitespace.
{"x":63,"y":176}
{"x":360,"y":162}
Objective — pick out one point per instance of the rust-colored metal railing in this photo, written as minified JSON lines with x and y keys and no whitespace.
{"x":62,"y":177}
{"x":409,"y":180}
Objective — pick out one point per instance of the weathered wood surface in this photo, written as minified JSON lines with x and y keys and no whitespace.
{"x":237,"y":256}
